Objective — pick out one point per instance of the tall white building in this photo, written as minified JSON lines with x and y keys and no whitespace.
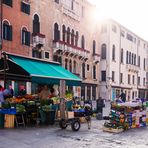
{"x":123,"y":63}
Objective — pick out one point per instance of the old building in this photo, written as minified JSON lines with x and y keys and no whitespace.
{"x":57,"y":30}
{"x":123,"y":62}
{"x":63,"y":31}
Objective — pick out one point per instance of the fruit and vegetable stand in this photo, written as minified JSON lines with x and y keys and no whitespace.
{"x":124,"y":116}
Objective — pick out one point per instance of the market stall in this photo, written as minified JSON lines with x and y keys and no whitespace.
{"x":124,"y":116}
{"x":30,"y":106}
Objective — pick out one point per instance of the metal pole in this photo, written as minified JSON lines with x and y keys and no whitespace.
{"x":4,"y":58}
{"x":1,"y":19}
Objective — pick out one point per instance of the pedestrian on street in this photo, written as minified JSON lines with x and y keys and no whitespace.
{"x":1,"y":94}
{"x":123,"y":96}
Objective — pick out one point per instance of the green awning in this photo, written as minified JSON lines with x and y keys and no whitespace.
{"x":45,"y":72}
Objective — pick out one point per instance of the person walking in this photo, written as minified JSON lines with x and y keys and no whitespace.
{"x":1,"y":94}
{"x":123,"y":96}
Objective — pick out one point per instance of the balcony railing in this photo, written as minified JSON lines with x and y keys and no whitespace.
{"x":38,"y":39}
{"x":96,"y":57}
{"x":132,"y":68}
{"x":71,"y":49}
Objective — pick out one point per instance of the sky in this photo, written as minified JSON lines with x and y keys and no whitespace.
{"x":132,"y":14}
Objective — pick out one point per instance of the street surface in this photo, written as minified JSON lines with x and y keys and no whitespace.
{"x":54,"y":137}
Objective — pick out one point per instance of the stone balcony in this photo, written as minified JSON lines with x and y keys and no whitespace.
{"x":132,"y":68}
{"x":96,"y":58}
{"x":70,"y":50}
{"x":38,"y":39}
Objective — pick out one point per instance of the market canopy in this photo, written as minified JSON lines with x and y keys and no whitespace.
{"x":45,"y":72}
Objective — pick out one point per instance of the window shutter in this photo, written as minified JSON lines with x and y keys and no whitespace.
{"x":28,"y":9}
{"x":10,"y":33}
{"x":27,"y":38}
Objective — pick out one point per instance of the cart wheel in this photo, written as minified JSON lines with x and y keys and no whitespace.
{"x":62,"y":124}
{"x":75,"y":125}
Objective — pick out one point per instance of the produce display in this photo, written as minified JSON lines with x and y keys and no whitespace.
{"x":68,"y":95}
{"x":127,"y":115}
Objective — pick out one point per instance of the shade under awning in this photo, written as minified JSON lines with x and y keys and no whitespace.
{"x":45,"y":72}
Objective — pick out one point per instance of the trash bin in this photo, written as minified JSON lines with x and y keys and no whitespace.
{"x":2,"y":120}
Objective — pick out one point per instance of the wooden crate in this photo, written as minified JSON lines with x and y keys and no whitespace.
{"x":9,"y":121}
{"x":82,"y":120}
{"x":112,"y":130}
{"x":68,"y":115}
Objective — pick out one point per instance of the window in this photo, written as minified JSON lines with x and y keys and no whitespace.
{"x":94,"y":47}
{"x":46,"y":55}
{"x":126,"y":57}
{"x":83,"y":70}
{"x":138,"y":80}
{"x":36,"y":24}
{"x":76,"y":38}
{"x":135,"y":59}
{"x":88,"y":67}
{"x":66,"y":63}
{"x":93,"y":92}
{"x":103,"y":75}
{"x":103,"y":51}
{"x":25,"y":8}
{"x":122,"y":33}
{"x":121,"y":60}
{"x":113,"y":53}
{"x":57,"y":1}
{"x":113,"y":76}
{"x":143,"y":81}
{"x":139,"y":61}
{"x":74,"y":66}
{"x":7,"y":31}
{"x":114,"y":29}
{"x":83,"y":42}
{"x":88,"y":92}
{"x":121,"y":78}
{"x":70,"y":66}
{"x":129,"y":37}
{"x":133,"y":79}
{"x":129,"y":79}
{"x":8,"y":2}
{"x":132,"y":58}
{"x":63,"y":33}
{"x":144,"y":64}
{"x":25,"y":37}
{"x":94,"y":72}
{"x":68,"y":35}
{"x":129,"y":58}
{"x":56,"y":32}
{"x":72,"y":37}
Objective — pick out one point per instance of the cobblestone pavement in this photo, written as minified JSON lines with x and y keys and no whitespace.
{"x":54,"y":137}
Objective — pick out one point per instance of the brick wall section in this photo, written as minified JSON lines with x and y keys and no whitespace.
{"x":17,"y":19}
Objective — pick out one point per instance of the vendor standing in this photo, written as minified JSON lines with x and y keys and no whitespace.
{"x":1,"y":94}
{"x":45,"y":93}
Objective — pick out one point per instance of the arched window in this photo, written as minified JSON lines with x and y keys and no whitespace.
{"x":83,"y":42}
{"x":113,"y":53}
{"x":121,"y":60}
{"x":94,"y":72}
{"x":66,"y":63}
{"x":7,"y":31}
{"x":70,"y":66}
{"x":103,"y":51}
{"x":68,"y":35}
{"x":56,"y":32}
{"x":76,"y":38}
{"x":74,"y":66}
{"x":129,"y":57}
{"x":63,"y":33}
{"x":83,"y":70}
{"x":25,"y":37}
{"x":126,"y":57}
{"x":94,"y":47}
{"x":72,"y":37}
{"x":36,"y":24}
